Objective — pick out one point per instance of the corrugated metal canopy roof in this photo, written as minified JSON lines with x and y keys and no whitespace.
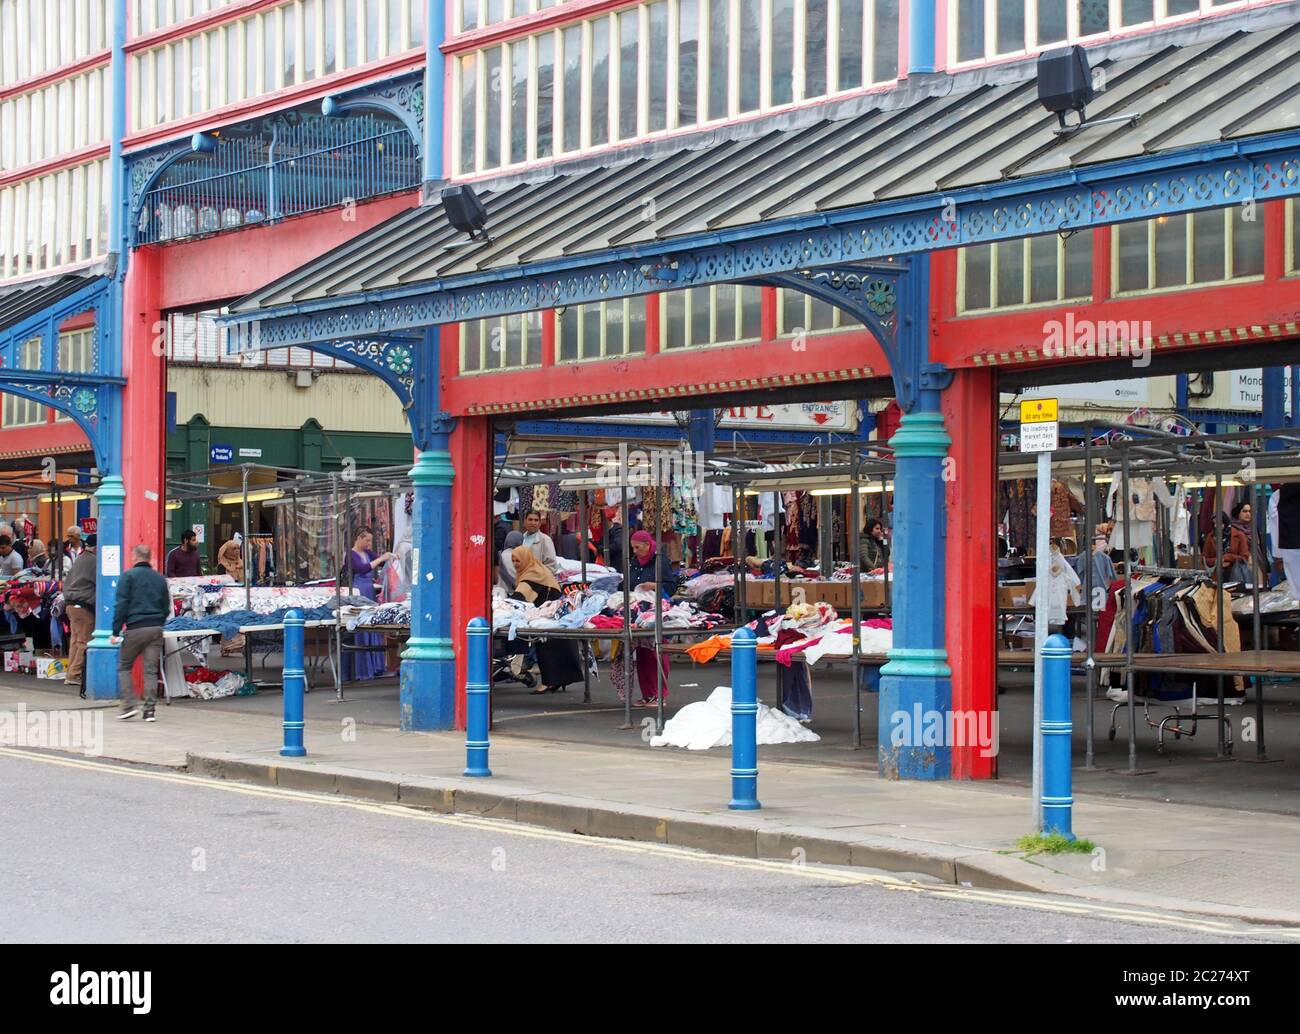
{"x":1217,"y":80}
{"x":24,"y":300}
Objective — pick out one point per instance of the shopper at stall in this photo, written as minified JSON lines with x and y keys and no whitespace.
{"x":873,"y":552}
{"x":1237,"y":561}
{"x":183,"y":561}
{"x":16,"y":541}
{"x":79,"y":605}
{"x":71,"y":549}
{"x":142,"y":607}
{"x":362,"y":565}
{"x":538,"y":541}
{"x":38,"y":559}
{"x":640,"y":577}
{"x":613,"y":541}
{"x":10,"y":562}
{"x":558,"y":658}
{"x":231,"y":557}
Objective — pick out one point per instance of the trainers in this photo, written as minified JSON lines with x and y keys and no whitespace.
{"x":149,"y":716}
{"x":129,"y":712}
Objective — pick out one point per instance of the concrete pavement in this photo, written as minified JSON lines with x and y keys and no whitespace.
{"x":1152,"y":855}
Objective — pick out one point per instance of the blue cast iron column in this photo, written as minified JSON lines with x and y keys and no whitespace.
{"x":916,"y":682}
{"x":101,"y":655}
{"x":428,"y":672}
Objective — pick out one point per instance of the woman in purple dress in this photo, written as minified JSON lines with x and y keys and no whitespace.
{"x":362,"y":562}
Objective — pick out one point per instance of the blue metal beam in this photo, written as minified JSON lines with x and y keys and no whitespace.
{"x":1215,"y":176}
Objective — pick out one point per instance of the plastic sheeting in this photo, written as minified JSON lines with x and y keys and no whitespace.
{"x":707,"y":724}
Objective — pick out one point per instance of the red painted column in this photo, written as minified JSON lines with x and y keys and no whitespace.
{"x":144,"y":449}
{"x":970,"y":413}
{"x":471,"y":537}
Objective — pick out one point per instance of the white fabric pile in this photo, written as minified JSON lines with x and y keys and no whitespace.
{"x":707,"y":723}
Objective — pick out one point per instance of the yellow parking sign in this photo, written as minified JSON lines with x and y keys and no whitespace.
{"x":1038,"y":411}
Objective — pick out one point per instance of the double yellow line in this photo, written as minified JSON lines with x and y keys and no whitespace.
{"x":826,"y":874}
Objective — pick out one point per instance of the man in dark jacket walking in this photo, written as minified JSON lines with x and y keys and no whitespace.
{"x":79,"y":605}
{"x":143,"y":606}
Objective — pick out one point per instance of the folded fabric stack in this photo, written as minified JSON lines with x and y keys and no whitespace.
{"x":229,"y":623}
{"x":385,"y":614}
{"x":206,"y":684}
{"x":1277,"y":600}
{"x":596,"y":609}
{"x":571,"y":571}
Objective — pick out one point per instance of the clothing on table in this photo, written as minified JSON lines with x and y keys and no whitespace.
{"x":794,"y":680}
{"x":363,"y":664}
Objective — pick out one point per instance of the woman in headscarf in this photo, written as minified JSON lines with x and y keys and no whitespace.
{"x":231,"y":557}
{"x":557,"y":658}
{"x":643,"y":564}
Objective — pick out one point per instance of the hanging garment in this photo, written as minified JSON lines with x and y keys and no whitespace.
{"x":1139,"y":513}
{"x":1064,"y":506}
{"x":1062,"y":583}
{"x":1289,"y":556}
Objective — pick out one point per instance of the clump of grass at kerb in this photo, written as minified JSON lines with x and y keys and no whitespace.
{"x":1053,"y":843}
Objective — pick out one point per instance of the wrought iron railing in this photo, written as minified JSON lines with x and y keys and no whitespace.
{"x":248,"y":182}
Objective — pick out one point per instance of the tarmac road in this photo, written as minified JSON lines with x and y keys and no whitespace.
{"x":99,"y":852}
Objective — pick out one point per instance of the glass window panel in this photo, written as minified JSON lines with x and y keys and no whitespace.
{"x":566,"y":333}
{"x":270,"y":67}
{"x":1010,"y":258}
{"x":792,"y":312}
{"x":1294,"y":210}
{"x":658,"y":71}
{"x":496,"y":11}
{"x":600,"y":81}
{"x":750,"y":30}
{"x":1135,"y":12}
{"x":1052,"y":24}
{"x":1247,"y":242}
{"x":573,"y":88}
{"x":545,"y":94}
{"x":395,"y":45}
{"x":519,"y":101}
{"x":532,"y":322}
{"x":688,"y":60}
{"x":970,"y":30}
{"x":233,"y":90}
{"x":519,"y":8}
{"x":1094,"y":16}
{"x":309,"y":39}
{"x":468,"y":15}
{"x":822,"y":316}
{"x":350,"y":58}
{"x":1011,"y":25}
{"x":1132,"y":245}
{"x":615,"y":328}
{"x":674,"y":319}
{"x":252,"y":58}
{"x":636,"y":323}
{"x":1042,"y":268}
{"x":701,"y":316}
{"x":725,"y":308}
{"x":417,"y":23}
{"x":884,"y":51}
{"x":1078,"y":265}
{"x":180,"y":92}
{"x":782,"y":31}
{"x":471,"y":336}
{"x":492,"y":108}
{"x":331,"y":32}
{"x":751,"y":312}
{"x":850,"y":44}
{"x":289,"y":27}
{"x":468,"y":111}
{"x":719,"y":44}
{"x":628,"y":26}
{"x":814,"y":47}
{"x":1208,"y":241}
{"x":372,"y":26}
{"x":514,"y":340}
{"x":593,"y":321}
{"x":1171,"y":251}
{"x":1174,"y":7}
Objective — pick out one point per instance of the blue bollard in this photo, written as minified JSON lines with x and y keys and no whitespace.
{"x":478,"y":636}
{"x":1057,"y":800}
{"x":295,"y":686}
{"x":744,"y":721}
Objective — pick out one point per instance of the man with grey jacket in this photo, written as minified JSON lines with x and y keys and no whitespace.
{"x":79,"y":605}
{"x":143,"y":606}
